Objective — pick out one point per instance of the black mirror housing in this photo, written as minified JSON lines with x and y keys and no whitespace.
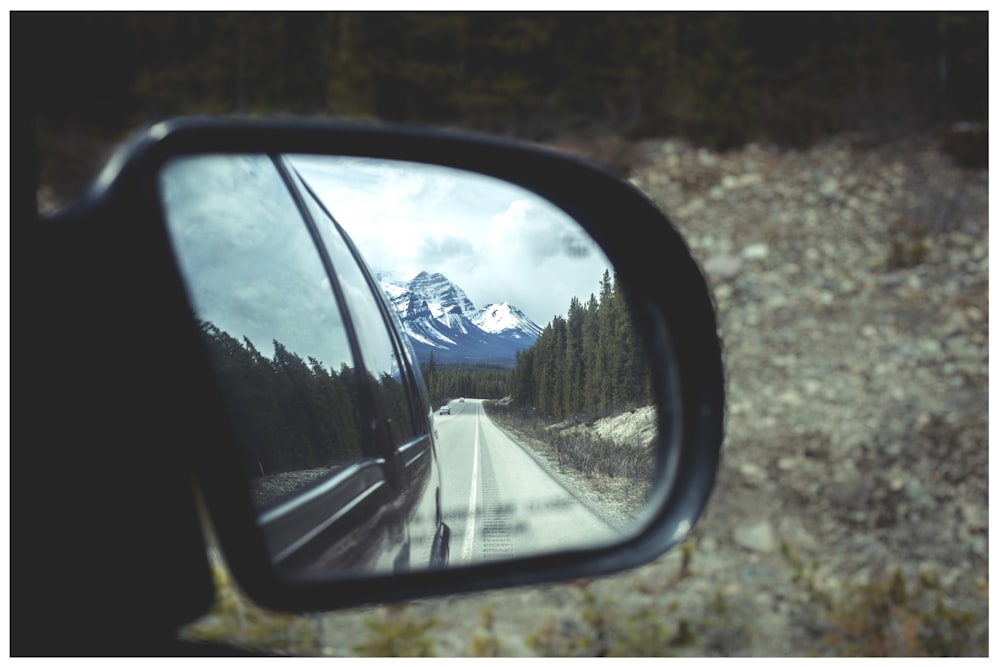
{"x":109,"y":263}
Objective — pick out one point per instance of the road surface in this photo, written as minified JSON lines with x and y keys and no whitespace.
{"x":498,"y":501}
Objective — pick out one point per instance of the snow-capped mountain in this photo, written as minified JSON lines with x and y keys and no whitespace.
{"x":438,"y":317}
{"x":500,"y":318}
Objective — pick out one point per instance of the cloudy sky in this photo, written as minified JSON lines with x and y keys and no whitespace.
{"x":496,"y":241}
{"x":250,"y":265}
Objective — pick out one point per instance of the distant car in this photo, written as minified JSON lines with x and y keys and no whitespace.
{"x":462,"y":400}
{"x":445,"y":410}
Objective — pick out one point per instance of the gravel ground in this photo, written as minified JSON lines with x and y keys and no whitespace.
{"x":850,"y":515}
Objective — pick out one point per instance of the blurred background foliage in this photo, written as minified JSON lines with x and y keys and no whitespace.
{"x":720,"y":79}
{"x":85,"y":79}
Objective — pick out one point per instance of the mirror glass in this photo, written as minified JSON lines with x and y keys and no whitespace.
{"x":424,"y":367}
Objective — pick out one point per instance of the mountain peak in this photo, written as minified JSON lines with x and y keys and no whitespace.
{"x":503,"y":317}
{"x":438,"y":316}
{"x":437,"y":289}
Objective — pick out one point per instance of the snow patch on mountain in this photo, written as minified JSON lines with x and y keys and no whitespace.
{"x":503,"y":317}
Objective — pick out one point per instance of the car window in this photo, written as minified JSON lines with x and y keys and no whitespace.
{"x":389,"y":377}
{"x":269,"y":319}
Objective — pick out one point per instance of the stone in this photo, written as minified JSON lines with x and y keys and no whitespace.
{"x":956,"y":324}
{"x":706,"y":158}
{"x":795,"y":534}
{"x":723,"y":267}
{"x":787,"y":463}
{"x":756,"y":536}
{"x":914,"y":491}
{"x":755,"y":251}
{"x":829,"y":187}
{"x":752,"y":473}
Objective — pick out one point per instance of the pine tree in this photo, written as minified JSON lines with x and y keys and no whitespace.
{"x":588,"y":364}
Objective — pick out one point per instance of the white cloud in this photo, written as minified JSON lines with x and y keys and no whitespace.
{"x":249,"y":263}
{"x":495,"y":240}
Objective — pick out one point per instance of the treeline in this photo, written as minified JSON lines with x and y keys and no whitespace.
{"x":292,"y":414}
{"x":449,"y":381}
{"x":718,"y":78}
{"x":587,"y":364}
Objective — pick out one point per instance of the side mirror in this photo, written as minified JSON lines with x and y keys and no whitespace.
{"x":341,"y":278}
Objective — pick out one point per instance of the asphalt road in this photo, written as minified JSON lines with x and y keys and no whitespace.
{"x":497,"y":500}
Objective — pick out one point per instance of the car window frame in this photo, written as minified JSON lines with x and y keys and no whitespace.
{"x":407,"y":462}
{"x":408,"y":364}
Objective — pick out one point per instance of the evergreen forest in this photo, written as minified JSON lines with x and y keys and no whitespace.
{"x":450,"y":381}
{"x":718,"y":78}
{"x":588,"y":364}
{"x":293,"y":414}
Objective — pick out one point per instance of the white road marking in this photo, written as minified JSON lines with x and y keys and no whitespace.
{"x":470,"y":522}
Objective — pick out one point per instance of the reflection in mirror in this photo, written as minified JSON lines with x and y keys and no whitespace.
{"x":423,"y":367}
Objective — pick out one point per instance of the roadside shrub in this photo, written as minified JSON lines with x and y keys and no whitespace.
{"x":895,"y":614}
{"x":590,"y":454}
{"x":392,"y":634}
{"x":485,"y":643}
{"x":600,"y":463}
{"x":902,"y":616}
{"x":606,"y":629}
